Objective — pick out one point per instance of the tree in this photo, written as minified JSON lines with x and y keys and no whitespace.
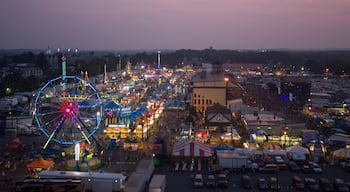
{"x":41,"y":61}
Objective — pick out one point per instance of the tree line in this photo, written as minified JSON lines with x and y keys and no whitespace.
{"x":336,"y":61}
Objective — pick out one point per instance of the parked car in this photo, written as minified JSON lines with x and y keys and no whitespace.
{"x":315,"y":168}
{"x":252,"y":166}
{"x":298,"y":182}
{"x":262,"y":184}
{"x":340,"y":185}
{"x":269,"y":168}
{"x":259,"y":162}
{"x":325,"y":184}
{"x":246,"y":182}
{"x":210,"y":181}
{"x":282,"y":166}
{"x":306,"y":169}
{"x":293,"y":166}
{"x":198,"y":180}
{"x":280,"y":163}
{"x":221,"y":180}
{"x":311,"y":184}
{"x":274,"y":184}
{"x":278,"y":159}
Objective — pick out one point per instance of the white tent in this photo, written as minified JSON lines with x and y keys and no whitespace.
{"x":298,"y":149}
{"x":297,"y":152}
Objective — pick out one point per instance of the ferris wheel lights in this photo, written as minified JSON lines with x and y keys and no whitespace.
{"x":72,"y":110}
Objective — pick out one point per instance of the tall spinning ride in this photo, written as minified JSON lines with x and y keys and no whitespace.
{"x":68,"y":110}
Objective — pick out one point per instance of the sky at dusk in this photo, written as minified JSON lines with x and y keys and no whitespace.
{"x":175,"y":24}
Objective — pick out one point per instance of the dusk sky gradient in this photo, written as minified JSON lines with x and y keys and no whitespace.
{"x":175,"y":24}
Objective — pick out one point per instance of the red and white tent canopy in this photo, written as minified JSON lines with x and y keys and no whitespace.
{"x":191,"y":148}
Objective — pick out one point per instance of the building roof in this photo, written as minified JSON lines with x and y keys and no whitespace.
{"x":217,"y":108}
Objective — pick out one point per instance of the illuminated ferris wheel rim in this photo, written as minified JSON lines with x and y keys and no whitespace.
{"x":62,"y":80}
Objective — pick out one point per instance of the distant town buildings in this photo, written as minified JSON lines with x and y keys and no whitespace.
{"x":26,"y":69}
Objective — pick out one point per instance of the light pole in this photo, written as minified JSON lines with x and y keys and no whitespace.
{"x":143,"y":122}
{"x":231,"y":134}
{"x":120,"y":154}
{"x":119,"y":67}
{"x":226,"y":82}
{"x":285,"y":134}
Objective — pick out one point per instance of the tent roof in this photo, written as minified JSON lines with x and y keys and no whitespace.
{"x":223,"y":145}
{"x":191,"y":148}
{"x":274,"y":152}
{"x":273,"y":149}
{"x":176,"y":104}
{"x":297,"y":149}
{"x":342,"y":153}
{"x":112,"y":105}
{"x":40,"y":163}
{"x":339,"y":137}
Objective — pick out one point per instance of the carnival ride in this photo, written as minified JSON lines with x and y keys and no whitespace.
{"x":68,"y":110}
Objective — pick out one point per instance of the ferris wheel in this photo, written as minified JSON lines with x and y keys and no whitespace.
{"x":68,"y":110}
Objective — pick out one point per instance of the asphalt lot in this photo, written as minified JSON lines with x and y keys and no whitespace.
{"x":181,"y":181}
{"x":176,"y":181}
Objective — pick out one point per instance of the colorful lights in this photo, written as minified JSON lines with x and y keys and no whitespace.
{"x":158,"y":53}
{"x":69,"y":108}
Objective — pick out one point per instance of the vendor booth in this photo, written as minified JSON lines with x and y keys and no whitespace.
{"x":274,"y":150}
{"x":214,"y":139}
{"x":38,"y":165}
{"x":202,"y":135}
{"x":221,"y":147}
{"x":231,"y":135}
{"x":116,"y":131}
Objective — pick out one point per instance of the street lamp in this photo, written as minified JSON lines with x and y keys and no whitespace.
{"x":143,"y":122}
{"x":119,"y":66}
{"x":285,"y":134}
{"x":226,"y":82}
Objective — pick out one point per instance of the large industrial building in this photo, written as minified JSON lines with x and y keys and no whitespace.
{"x":211,"y":86}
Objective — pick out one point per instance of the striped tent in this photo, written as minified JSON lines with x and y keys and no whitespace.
{"x":191,"y":148}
